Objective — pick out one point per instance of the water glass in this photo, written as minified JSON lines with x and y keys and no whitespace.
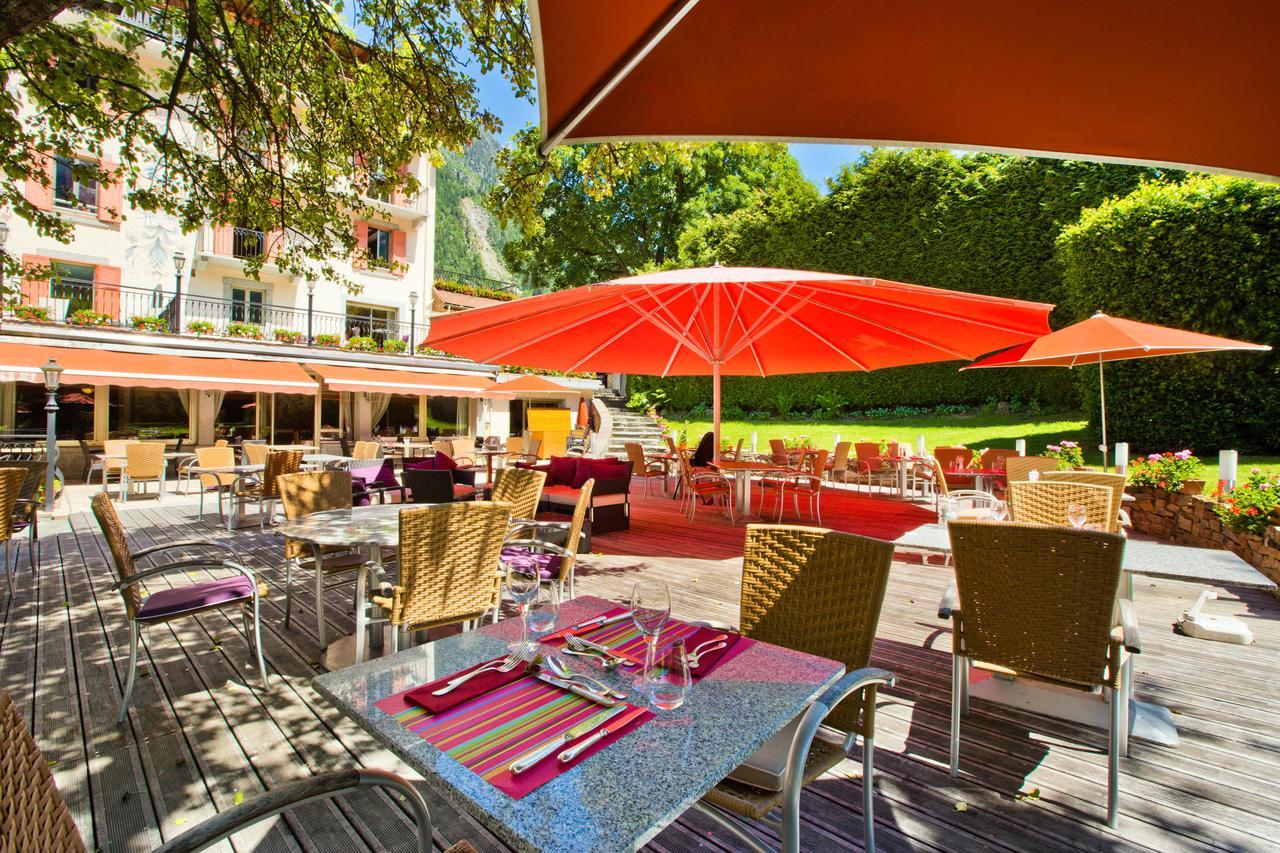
{"x":650,"y":609}
{"x":522,"y":586}
{"x":669,"y":682}
{"x":1033,"y":475}
{"x":544,"y":609}
{"x":999,"y":510}
{"x":1077,"y":515}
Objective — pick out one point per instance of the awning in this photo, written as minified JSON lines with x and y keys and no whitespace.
{"x":22,"y":363}
{"x":386,"y":381}
{"x":530,"y":385}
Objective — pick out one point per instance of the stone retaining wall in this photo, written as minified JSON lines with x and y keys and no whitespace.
{"x":1190,"y":520}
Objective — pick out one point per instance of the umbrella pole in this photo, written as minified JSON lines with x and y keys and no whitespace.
{"x":1102,"y":398}
{"x":715,"y":410}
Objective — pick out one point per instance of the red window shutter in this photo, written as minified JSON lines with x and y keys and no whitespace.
{"x":106,"y":290}
{"x":110,"y":195}
{"x":362,"y":245}
{"x":222,"y":240}
{"x":275,"y":244}
{"x":35,"y":285}
{"x":399,"y":249}
{"x":40,"y":196}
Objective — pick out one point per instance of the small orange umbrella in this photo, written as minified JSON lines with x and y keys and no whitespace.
{"x":584,"y":415}
{"x":1102,"y":338}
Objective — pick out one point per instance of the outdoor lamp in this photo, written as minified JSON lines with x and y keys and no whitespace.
{"x":4,"y":233}
{"x":51,"y":372}
{"x":179,"y":262}
{"x":311,"y":285}
{"x":413,"y":298}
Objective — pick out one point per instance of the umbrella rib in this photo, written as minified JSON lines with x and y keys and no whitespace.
{"x":671,"y":326}
{"x":749,"y":334}
{"x":824,"y":340}
{"x":533,"y":310}
{"x":694,"y":315}
{"x":894,"y":329}
{"x":679,"y":343}
{"x":549,"y":334}
{"x":662,"y":325}
{"x":772,"y":323}
{"x":737,"y":319}
{"x":751,"y":347}
{"x":864,"y":297}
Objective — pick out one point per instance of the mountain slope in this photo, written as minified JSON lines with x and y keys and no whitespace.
{"x":468,"y":239}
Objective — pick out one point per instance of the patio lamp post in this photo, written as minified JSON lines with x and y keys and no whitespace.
{"x":311,"y":298}
{"x":179,"y":263}
{"x":413,"y":316}
{"x":52,"y":372}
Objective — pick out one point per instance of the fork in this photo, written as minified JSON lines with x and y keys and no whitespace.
{"x":611,"y":657}
{"x":559,"y":670}
{"x":509,"y":663}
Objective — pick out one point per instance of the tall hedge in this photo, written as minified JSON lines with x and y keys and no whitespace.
{"x":983,"y":222}
{"x":1202,"y":255}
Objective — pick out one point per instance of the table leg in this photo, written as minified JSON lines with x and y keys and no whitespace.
{"x":902,"y":479}
{"x":375,"y":558}
{"x":488,"y":468}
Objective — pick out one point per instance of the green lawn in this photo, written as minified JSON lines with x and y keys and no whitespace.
{"x":971,"y":430}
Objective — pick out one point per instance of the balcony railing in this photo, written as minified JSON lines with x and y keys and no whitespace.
{"x":94,"y":305}
{"x":248,"y":243}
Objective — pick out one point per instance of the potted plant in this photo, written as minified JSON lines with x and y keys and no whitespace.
{"x":423,"y":349}
{"x":361,"y":343}
{"x":1249,"y":507}
{"x":286,"y":336}
{"x":1068,"y":453}
{"x":244,"y":330}
{"x":200,"y":327}
{"x":1169,"y":471}
{"x":150,"y":324}
{"x":394,"y":345}
{"x":34,"y":313}
{"x":88,"y":317}
{"x":327,"y":340}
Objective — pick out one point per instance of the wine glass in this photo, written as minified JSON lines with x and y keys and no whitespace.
{"x":999,"y":510}
{"x":669,"y":682}
{"x":1033,"y":475}
{"x":522,"y":586}
{"x":1077,"y":515}
{"x":544,"y":608}
{"x":650,"y":609}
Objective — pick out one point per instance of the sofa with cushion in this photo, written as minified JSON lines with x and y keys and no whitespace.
{"x":442,"y":461}
{"x":610,"y":499}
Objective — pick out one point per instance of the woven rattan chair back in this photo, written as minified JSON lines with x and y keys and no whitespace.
{"x":113,"y":531}
{"x":1114,"y":482}
{"x":866,"y":451}
{"x":279,"y":462}
{"x":635,"y":455}
{"x":777,"y":447}
{"x":33,"y":815}
{"x":939,"y":478}
{"x":366,"y":450}
{"x":996,"y":458}
{"x":144,"y":460}
{"x":520,"y":487}
{"x":215,"y":457}
{"x":463,"y":448}
{"x":256,"y":454}
{"x":114,"y":447}
{"x":1037,"y":599}
{"x":1046,"y":502}
{"x":306,"y":492}
{"x":11,"y":480}
{"x":816,"y":591}
{"x":1020,"y":467}
{"x":448,"y":562}
{"x":671,"y":444}
{"x":948,"y":456}
{"x":515,"y":444}
{"x":840,"y":461}
{"x":580,"y":510}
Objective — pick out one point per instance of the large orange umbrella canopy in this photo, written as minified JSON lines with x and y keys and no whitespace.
{"x":1092,"y":79}
{"x":738,"y":320}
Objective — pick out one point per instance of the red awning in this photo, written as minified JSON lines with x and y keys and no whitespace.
{"x":531,"y":384}
{"x":22,"y":363}
{"x":379,"y":380}
{"x":1096,"y":78}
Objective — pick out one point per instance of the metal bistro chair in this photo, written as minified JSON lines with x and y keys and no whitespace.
{"x":972,"y":498}
{"x":114,"y":447}
{"x":805,"y":483}
{"x":868,"y":466}
{"x":703,"y":484}
{"x":144,"y":463}
{"x":255,"y":452}
{"x":242,"y":589}
{"x":1039,"y":602}
{"x":838,"y":465}
{"x":302,"y":494}
{"x":521,"y":488}
{"x":26,"y":510}
{"x":1046,"y":502}
{"x":264,"y":490}
{"x":11,"y":480}
{"x":36,"y":817}
{"x":816,"y":591}
{"x":554,"y":562}
{"x":644,"y":468}
{"x":449,"y":567}
{"x":434,"y":487}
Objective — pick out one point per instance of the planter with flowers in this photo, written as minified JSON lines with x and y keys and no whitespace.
{"x":244,"y":330}
{"x":149,"y":324}
{"x":1068,"y":453}
{"x":327,"y":340}
{"x":286,"y":336}
{"x":201,"y":327}
{"x":394,"y":345}
{"x":1172,"y":470}
{"x":361,"y":343}
{"x":88,"y":317}
{"x":31,"y":313}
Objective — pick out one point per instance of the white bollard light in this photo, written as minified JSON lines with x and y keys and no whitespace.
{"x":753,"y":443}
{"x":837,"y":438}
{"x":920,"y":444}
{"x":1021,"y":446}
{"x":1228,"y":462}
{"x":1122,"y":457}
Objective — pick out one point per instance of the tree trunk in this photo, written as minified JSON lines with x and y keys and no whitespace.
{"x":19,"y":17}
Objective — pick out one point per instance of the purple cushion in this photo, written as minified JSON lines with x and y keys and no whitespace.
{"x":173,"y":602}
{"x":422,"y":465}
{"x":359,"y":494}
{"x":581,"y":473}
{"x":443,"y":461}
{"x":563,"y":469}
{"x":386,"y":476}
{"x":548,"y":565}
{"x":609,"y":469}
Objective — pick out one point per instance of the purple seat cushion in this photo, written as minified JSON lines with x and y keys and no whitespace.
{"x":443,"y":461}
{"x":386,"y":476}
{"x":359,"y":494}
{"x":548,"y":565}
{"x":173,"y":602}
{"x":562,"y":471}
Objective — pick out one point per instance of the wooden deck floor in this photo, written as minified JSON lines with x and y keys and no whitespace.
{"x":200,"y":734}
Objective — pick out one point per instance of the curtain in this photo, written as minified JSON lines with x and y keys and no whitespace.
{"x":378,"y":404}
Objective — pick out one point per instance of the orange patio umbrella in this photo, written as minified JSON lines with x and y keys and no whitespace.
{"x":741,"y":321}
{"x":1034,"y":78}
{"x":1100,"y":339}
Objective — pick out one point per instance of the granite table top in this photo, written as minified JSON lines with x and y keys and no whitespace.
{"x":376,"y":524}
{"x":1141,"y":557}
{"x":623,"y":796}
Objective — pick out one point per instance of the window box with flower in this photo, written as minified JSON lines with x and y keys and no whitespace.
{"x":1171,"y":470}
{"x":1068,"y":453}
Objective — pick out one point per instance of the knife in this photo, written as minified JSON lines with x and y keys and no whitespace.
{"x":572,"y":687}
{"x":544,"y":749}
{"x":605,"y":650}
{"x":623,"y":721}
{"x":601,"y":621}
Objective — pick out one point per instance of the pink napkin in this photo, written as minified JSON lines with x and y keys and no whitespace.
{"x":735,"y":645}
{"x":481,"y":684}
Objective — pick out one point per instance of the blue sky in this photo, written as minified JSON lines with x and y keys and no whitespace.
{"x":818,"y":162}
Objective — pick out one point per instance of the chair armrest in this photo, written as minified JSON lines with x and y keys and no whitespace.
{"x":1132,"y":640}
{"x":185,"y":566}
{"x":541,"y":545}
{"x":187,"y":543}
{"x":319,"y":787}
{"x":849,"y":684}
{"x":950,"y":603}
{"x":616,"y":486}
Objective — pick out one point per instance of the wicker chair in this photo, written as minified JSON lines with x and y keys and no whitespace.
{"x":816,"y":591}
{"x":26,"y":510}
{"x":1039,"y":602}
{"x":215,"y":457}
{"x":302,"y":494}
{"x":241,"y":589}
{"x":367,"y":450}
{"x":264,"y":490}
{"x":868,"y":466}
{"x":697,"y":484}
{"x":521,"y":488}
{"x":1020,"y":467}
{"x":449,"y":566}
{"x":838,"y":465}
{"x":642,"y":467}
{"x":1114,"y":482}
{"x":256,"y":452}
{"x":937,"y":479}
{"x":11,"y":480}
{"x":1046,"y":502}
{"x":92,"y":461}
{"x":997,"y":458}
{"x":113,"y":447}
{"x":735,"y":453}
{"x":36,"y":817}
{"x":144,"y":463}
{"x":553,"y":561}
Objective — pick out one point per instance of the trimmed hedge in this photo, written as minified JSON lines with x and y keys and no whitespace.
{"x":1202,"y":255}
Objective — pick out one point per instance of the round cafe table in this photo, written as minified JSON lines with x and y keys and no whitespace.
{"x":741,"y":470}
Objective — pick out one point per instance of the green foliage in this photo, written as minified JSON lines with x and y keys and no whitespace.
{"x":475,"y":290}
{"x":466,"y":234}
{"x":286,"y":336}
{"x":327,"y":340}
{"x":1166,"y":470}
{"x":150,"y":324}
{"x":244,"y":330}
{"x":1202,"y":255}
{"x":88,"y":317}
{"x":594,"y":212}
{"x":1251,"y":506}
{"x":201,"y":327}
{"x":31,"y":312}
{"x":361,"y":343}
{"x":394,"y":345}
{"x":642,"y":401}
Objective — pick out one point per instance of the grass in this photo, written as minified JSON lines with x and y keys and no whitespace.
{"x":971,"y":430}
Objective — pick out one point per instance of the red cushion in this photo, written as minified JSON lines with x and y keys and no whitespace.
{"x":462,"y":493}
{"x":609,"y":469}
{"x":563,"y":470}
{"x":581,"y":473}
{"x":443,"y":461}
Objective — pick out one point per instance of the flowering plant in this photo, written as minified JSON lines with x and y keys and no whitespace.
{"x":1249,"y":506}
{"x":1168,"y":470}
{"x":975,"y":461}
{"x":200,"y":327}
{"x":327,"y":340}
{"x":88,"y":317}
{"x":1068,"y":454}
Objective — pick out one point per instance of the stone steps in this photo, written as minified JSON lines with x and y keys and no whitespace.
{"x":631,"y":426}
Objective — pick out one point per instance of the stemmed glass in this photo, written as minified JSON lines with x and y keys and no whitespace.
{"x":999,"y":510}
{"x":522,"y":586}
{"x":1077,"y":515}
{"x":650,"y":609}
